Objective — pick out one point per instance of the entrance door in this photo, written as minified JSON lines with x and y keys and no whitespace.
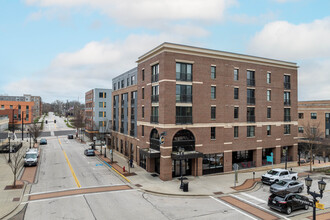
{"x":185,"y":167}
{"x":157,"y":165}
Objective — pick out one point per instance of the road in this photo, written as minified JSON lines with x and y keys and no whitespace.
{"x":64,"y":167}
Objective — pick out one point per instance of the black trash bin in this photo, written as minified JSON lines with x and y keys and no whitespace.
{"x":185,"y":186}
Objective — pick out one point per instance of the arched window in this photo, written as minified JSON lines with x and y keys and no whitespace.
{"x":185,"y":139}
{"x":154,"y":139}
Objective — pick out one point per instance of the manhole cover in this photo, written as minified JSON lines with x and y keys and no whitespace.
{"x":16,"y":199}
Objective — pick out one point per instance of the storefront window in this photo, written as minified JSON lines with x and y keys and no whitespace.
{"x":212,"y":163}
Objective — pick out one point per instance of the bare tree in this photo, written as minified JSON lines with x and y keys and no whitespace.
{"x":35,"y":130}
{"x":312,"y":135}
{"x":78,"y":121}
{"x":16,"y":163}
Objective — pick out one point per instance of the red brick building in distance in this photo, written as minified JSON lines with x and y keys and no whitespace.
{"x":212,"y":109}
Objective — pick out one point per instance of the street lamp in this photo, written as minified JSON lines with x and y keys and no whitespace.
{"x":9,"y":160}
{"x":181,"y":153}
{"x":321,"y":185}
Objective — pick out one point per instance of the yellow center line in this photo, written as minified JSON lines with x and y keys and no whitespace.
{"x":73,"y":174}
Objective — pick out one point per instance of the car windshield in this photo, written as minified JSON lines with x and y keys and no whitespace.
{"x":272,"y":172}
{"x":31,"y":156}
{"x":281,"y":183}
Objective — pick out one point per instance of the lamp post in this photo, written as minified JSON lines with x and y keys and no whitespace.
{"x":321,"y":185}
{"x":9,"y":160}
{"x":181,"y":153}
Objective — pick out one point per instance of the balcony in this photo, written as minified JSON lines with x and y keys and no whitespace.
{"x":155,"y":98}
{"x":184,"y":77}
{"x":251,"y":82}
{"x":287,"y":85}
{"x":184,"y":98}
{"x":154,"y":119}
{"x":154,"y":78}
{"x":183,"y":119}
{"x":287,"y":118}
{"x":251,"y":100}
{"x":132,"y":133}
{"x":251,"y":118}
{"x":287,"y":102}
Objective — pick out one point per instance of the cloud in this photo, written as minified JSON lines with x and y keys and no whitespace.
{"x":308,"y":44}
{"x":146,"y":12}
{"x":71,"y":74}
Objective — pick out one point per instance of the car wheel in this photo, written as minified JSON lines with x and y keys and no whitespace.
{"x":288,"y":210}
{"x":299,"y":190}
{"x":294,"y":178}
{"x":306,"y":207}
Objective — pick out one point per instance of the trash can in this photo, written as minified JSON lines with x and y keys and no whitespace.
{"x":185,"y":186}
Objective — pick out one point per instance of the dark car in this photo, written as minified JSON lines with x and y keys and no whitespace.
{"x":287,"y":202}
{"x":70,"y":136}
{"x":43,"y":141}
{"x":89,"y":152}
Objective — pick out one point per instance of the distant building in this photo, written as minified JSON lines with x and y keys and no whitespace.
{"x":98,"y":110}
{"x":4,"y":121}
{"x":18,"y":112}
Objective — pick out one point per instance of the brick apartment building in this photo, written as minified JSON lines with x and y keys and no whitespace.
{"x":211,"y":108}
{"x":17,"y":111}
{"x":97,"y":110}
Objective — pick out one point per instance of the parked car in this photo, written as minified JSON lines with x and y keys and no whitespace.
{"x":31,"y":158}
{"x":43,"y":141}
{"x":89,"y":152}
{"x":70,"y":136}
{"x":287,"y":185}
{"x":287,"y":202}
{"x":275,"y":175}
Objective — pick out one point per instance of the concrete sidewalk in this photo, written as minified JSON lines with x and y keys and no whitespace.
{"x":202,"y":185}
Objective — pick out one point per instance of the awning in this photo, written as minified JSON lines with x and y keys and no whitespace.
{"x":150,"y":153}
{"x":186,"y":155}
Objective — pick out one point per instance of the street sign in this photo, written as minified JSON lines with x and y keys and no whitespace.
{"x":270,"y":159}
{"x":319,"y":205}
{"x":161,"y":139}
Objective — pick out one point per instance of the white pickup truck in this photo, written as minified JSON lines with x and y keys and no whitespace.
{"x":275,"y":175}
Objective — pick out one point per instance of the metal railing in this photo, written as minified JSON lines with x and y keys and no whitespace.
{"x":287,"y":102}
{"x":184,"y":98}
{"x":251,"y":100}
{"x":251,"y":118}
{"x":287,"y":118}
{"x":287,"y":85}
{"x":154,"y":98}
{"x":155,"y":78}
{"x":154,"y":119}
{"x":184,"y":77}
{"x":183,"y":119}
{"x":251,"y":82}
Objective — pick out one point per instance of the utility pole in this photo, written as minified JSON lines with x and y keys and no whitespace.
{"x":22,"y":123}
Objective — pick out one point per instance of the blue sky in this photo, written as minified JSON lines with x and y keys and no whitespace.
{"x":59,"y":49}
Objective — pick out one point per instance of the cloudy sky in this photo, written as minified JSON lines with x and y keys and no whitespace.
{"x":59,"y":49}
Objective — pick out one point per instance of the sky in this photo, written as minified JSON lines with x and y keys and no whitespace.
{"x":59,"y":49}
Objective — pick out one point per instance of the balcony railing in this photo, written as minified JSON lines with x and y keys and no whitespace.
{"x":251,"y":82}
{"x":184,"y":98}
{"x":251,"y":100}
{"x":154,"y":78}
{"x":287,"y":102}
{"x":184,"y":77}
{"x":287,"y":85}
{"x":155,"y":98}
{"x":183,"y":119}
{"x":287,"y":118}
{"x":121,"y":130}
{"x":154,"y":119}
{"x":154,"y":144}
{"x":132,"y":133}
{"x":251,"y":118}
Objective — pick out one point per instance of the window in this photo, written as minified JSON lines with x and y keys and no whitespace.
{"x":154,"y":73}
{"x":287,"y":100}
{"x":118,"y":85}
{"x":102,"y":114}
{"x":251,"y":100}
{"x":250,"y":113}
{"x":250,"y":78}
{"x":101,"y":124}
{"x":142,"y":93}
{"x":127,"y":82}
{"x":269,"y":112}
{"x":213,"y":92}
{"x":102,"y":94}
{"x":301,"y":129}
{"x":142,"y":130}
{"x":132,"y":80}
{"x":250,"y":131}
{"x":235,"y":131}
{"x":2,"y":106}
{"x":327,"y":132}
{"x":313,"y":130}
{"x":268,"y":78}
{"x":213,"y":112}
{"x":143,"y":75}
{"x":122,"y":83}
{"x":287,"y":115}
{"x":236,"y":112}
{"x":11,"y":107}
{"x":300,"y":115}
{"x":142,"y":111}
{"x":213,"y":133}
{"x":269,"y":130}
{"x":313,"y":116}
{"x":101,"y":104}
{"x":183,"y":71}
{"x":183,"y":115}
{"x":287,"y":82}
{"x":154,"y":115}
{"x":235,"y":93}
{"x":213,"y":72}
{"x":184,"y":93}
{"x":269,"y":95}
{"x":114,"y":86}
{"x":287,"y":129}
{"x":155,"y":94}
{"x":236,"y":72}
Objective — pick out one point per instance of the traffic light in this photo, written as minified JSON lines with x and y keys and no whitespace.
{"x":55,"y":121}
{"x":46,"y":121}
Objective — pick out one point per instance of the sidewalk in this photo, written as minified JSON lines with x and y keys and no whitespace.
{"x":206,"y":185}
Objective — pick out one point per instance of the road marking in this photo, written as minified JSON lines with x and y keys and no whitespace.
{"x":253,"y":197}
{"x":232,"y":207}
{"x":115,"y":171}
{"x":73,"y":174}
{"x":237,"y":197}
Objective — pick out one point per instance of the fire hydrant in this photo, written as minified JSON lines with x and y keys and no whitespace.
{"x":123,"y":168}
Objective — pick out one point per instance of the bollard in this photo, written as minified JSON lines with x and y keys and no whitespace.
{"x":123,"y":168}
